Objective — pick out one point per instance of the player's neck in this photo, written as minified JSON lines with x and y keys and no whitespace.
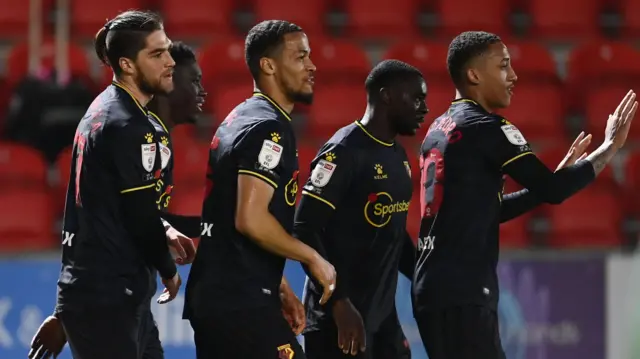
{"x":475,"y":97}
{"x":377,"y":125}
{"x":277,"y":96}
{"x":161,"y":107}
{"x":134,"y":90}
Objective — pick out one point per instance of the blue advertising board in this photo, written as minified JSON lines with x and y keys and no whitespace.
{"x":548,"y":310}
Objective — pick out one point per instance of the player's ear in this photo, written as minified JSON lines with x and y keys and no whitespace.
{"x":267,"y":65}
{"x":385,"y":96}
{"x":473,"y":76}
{"x":127,"y":66}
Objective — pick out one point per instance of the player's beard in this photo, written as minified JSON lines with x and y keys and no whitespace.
{"x":300,"y":97}
{"x":147,"y":86}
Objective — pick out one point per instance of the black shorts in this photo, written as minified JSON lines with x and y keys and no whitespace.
{"x":112,"y":332}
{"x":254,"y":333}
{"x":388,"y":342}
{"x":466,"y":332}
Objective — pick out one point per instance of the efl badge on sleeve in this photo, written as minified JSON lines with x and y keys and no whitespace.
{"x":148,"y":156}
{"x":270,"y":154}
{"x":513,"y":135}
{"x":322,"y":173}
{"x":165,"y":155}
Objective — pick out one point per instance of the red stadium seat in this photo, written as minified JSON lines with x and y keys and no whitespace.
{"x":382,"y":19}
{"x":309,"y":14}
{"x":183,"y":134}
{"x":630,"y":11}
{"x":26,"y":220}
{"x":63,"y":169}
{"x":339,"y":61}
{"x":538,"y":112}
{"x":306,"y":154}
{"x":463,"y":15}
{"x":430,"y":58}
{"x":228,"y":98}
{"x":532,"y":62}
{"x":187,"y":202}
{"x":18,"y":61}
{"x":22,"y":166}
{"x":510,"y":185}
{"x":600,"y":63}
{"x":197,"y":18}
{"x":632,"y":183}
{"x":223,"y":63}
{"x":570,"y":19}
{"x":514,"y":233}
{"x":334,"y":108}
{"x":439,"y":97}
{"x":591,"y":218}
{"x":190,"y":165}
{"x":600,"y":102}
{"x":14,"y":17}
{"x":87,"y":17}
{"x":413,"y":217}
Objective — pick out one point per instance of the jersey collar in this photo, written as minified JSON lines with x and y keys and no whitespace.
{"x":372,"y":136}
{"x":159,"y":121}
{"x":138,"y":104}
{"x":464,"y":100}
{"x":275,"y":104}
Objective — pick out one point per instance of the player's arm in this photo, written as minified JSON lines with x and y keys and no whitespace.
{"x":408,"y":257}
{"x":506,"y":148}
{"x":330,"y":180}
{"x":137,"y":189}
{"x":260,"y":165}
{"x":515,"y":204}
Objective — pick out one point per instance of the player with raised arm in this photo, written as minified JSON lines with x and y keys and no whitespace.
{"x":236,"y":294}
{"x":167,"y":111}
{"x":354,"y":212}
{"x":465,"y":154}
{"x":113,"y":235}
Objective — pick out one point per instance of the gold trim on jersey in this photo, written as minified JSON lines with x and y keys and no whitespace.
{"x":516,"y":157}
{"x":275,"y":104}
{"x":461,"y":100}
{"x":142,"y":108}
{"x":160,"y":121}
{"x":258,"y":175}
{"x":138,"y":188}
{"x":306,"y":193}
{"x":372,"y":137}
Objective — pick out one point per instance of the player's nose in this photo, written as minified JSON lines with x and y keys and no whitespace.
{"x":311,"y":66}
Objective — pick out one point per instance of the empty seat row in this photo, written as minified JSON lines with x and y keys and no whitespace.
{"x":365,"y":18}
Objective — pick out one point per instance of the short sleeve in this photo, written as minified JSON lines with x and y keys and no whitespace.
{"x":260,"y":153}
{"x":502,"y":142}
{"x":331,"y":174}
{"x":134,"y":152}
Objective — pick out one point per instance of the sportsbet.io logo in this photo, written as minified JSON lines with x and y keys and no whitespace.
{"x":380,"y":207}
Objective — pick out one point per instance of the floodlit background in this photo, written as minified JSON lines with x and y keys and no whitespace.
{"x":570,"y":279}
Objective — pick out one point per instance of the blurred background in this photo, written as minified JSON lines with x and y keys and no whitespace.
{"x":570,"y":276}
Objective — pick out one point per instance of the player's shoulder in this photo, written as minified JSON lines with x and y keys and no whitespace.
{"x":349,"y":138}
{"x":257,"y":107}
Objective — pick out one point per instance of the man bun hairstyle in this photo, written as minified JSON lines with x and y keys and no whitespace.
{"x":124,"y":36}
